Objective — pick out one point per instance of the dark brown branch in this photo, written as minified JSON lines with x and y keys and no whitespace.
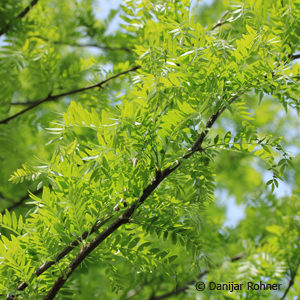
{"x":125,"y":217}
{"x":178,"y":290}
{"x":96,"y":227}
{"x":237,"y":257}
{"x":54,"y":97}
{"x":198,"y":143}
{"x":192,"y":282}
{"x":295,"y":56}
{"x":44,"y":267}
{"x":85,"y":251}
{"x":27,"y":9}
{"x":19,"y":202}
{"x":20,"y":15}
{"x":291,"y":282}
{"x":221,"y":21}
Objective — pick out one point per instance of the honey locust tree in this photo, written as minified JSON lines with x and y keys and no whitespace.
{"x":118,"y":143}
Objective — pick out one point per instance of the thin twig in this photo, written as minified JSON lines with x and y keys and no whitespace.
{"x":291,"y":282}
{"x":27,"y":9}
{"x":54,"y":97}
{"x":20,"y":15}
{"x":221,"y":22}
{"x":125,"y":217}
{"x":192,"y":282}
{"x":295,"y":56}
{"x":19,"y":202}
{"x":198,"y":143}
{"x":45,"y":266}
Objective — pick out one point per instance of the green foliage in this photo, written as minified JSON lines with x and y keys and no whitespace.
{"x":211,"y":107}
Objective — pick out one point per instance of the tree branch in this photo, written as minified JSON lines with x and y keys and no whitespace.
{"x":221,"y":22}
{"x":291,"y":282}
{"x":295,"y":56}
{"x":20,"y":15}
{"x":125,"y":217}
{"x":19,"y":202}
{"x":198,"y":143}
{"x":192,"y":282}
{"x":95,"y":228}
{"x":45,"y":266}
{"x":27,"y":9}
{"x":54,"y":97}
